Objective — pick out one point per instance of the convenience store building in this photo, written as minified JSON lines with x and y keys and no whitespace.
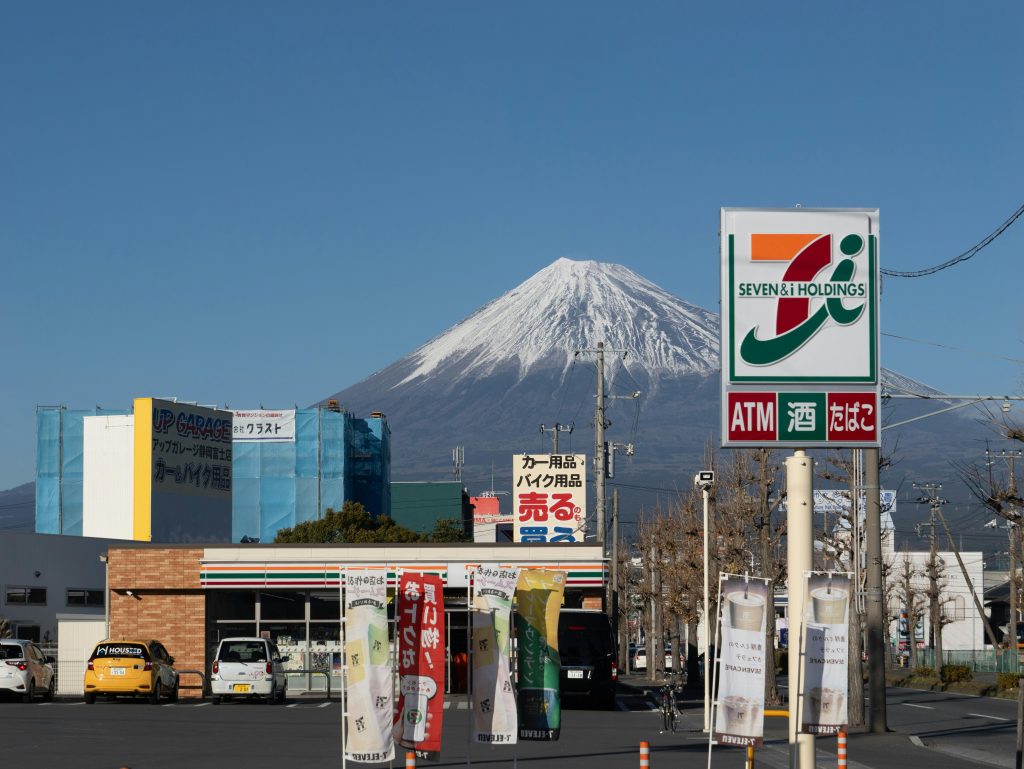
{"x":189,"y":597}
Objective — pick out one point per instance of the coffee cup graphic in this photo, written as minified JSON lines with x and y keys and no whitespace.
{"x":741,"y":715}
{"x":746,"y":610}
{"x":417,"y":691}
{"x":828,"y":605}
{"x":827,"y":705}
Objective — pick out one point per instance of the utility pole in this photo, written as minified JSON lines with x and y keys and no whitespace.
{"x":874,"y":595}
{"x":934,"y":604}
{"x":600,"y":466}
{"x":558,"y":428}
{"x":600,"y":423}
{"x":967,"y":579}
{"x":1011,"y":456}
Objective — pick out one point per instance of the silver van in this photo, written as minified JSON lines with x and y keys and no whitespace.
{"x":248,"y":668}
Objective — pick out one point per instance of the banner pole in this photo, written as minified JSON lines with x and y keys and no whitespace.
{"x":469,"y":663}
{"x":799,"y":557}
{"x":714,"y":687}
{"x":343,"y":578}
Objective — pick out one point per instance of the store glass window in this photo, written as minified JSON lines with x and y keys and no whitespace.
{"x":31,"y":596}
{"x":325,"y":606}
{"x":283,"y":605}
{"x":84,"y":597}
{"x":235,"y":630}
{"x":231,"y":604}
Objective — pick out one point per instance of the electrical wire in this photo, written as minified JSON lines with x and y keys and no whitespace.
{"x":958,"y":349}
{"x":970,"y":253}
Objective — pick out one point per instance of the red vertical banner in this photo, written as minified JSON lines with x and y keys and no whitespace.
{"x":421,"y":658}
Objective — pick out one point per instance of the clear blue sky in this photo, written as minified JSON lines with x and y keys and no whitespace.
{"x":245,"y":203}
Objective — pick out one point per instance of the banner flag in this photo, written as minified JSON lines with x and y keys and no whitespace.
{"x":740,"y":704}
{"x":539,"y":599}
{"x":421,"y":663}
{"x":495,"y":719}
{"x":826,"y":653}
{"x":369,"y":682}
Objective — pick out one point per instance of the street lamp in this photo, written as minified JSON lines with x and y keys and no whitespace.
{"x":704,"y":480}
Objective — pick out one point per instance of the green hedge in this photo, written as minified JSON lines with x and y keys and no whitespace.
{"x":952,"y":674}
{"x":1007,"y":680}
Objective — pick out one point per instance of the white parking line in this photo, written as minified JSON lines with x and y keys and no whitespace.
{"x":923,"y":707}
{"x":994,"y":718}
{"x":324,"y":705}
{"x":203,"y":704}
{"x":292,"y":705}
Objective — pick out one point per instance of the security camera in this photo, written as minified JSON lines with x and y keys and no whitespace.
{"x":992,"y":524}
{"x":129,"y":593}
{"x":704,"y":480}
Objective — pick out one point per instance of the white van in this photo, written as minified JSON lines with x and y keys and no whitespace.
{"x":248,"y":667}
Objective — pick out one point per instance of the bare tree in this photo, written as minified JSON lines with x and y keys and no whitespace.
{"x":910,"y":599}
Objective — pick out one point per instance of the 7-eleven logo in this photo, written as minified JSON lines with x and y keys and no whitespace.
{"x":809,"y":280}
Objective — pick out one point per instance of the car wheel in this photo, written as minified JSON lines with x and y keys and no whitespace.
{"x":173,"y":696}
{"x":216,"y":699}
{"x":51,"y":689}
{"x":28,"y":695}
{"x":154,"y":697}
{"x":272,"y":697}
{"x":609,"y":701}
{"x":90,"y":698}
{"x":284,"y":693}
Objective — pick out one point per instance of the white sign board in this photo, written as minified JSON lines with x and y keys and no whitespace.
{"x":264,"y":425}
{"x":549,"y":497}
{"x":800,"y":327}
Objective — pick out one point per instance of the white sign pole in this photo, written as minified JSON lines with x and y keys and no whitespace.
{"x":800,"y":549}
{"x":707,"y":622}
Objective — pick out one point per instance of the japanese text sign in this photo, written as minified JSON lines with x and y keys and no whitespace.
{"x":369,"y":681}
{"x":825,"y":682}
{"x":264,"y":426}
{"x":800,"y":331}
{"x":549,"y":497}
{"x":421,"y":662}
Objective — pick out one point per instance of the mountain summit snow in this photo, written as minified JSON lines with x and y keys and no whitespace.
{"x":568,"y":306}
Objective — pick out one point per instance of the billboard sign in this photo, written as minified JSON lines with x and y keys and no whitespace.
{"x":264,"y":425}
{"x":549,"y":497}
{"x":800,"y":335}
{"x":182,"y":472}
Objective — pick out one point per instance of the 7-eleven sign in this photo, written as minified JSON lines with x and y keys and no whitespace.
{"x":802,"y":419}
{"x":800,"y":332}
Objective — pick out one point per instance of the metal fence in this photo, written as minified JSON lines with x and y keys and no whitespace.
{"x":987,"y":661}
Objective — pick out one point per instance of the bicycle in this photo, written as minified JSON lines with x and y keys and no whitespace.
{"x":670,"y":714}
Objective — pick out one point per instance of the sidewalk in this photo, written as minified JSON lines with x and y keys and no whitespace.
{"x":865,"y":750}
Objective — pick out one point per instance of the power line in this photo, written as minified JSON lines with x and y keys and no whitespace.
{"x":968,"y":254}
{"x":958,"y":349}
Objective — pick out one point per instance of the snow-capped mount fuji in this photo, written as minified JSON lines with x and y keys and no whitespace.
{"x":570,"y":306}
{"x":488,"y":382}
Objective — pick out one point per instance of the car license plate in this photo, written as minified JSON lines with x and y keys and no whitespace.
{"x":240,"y":688}
{"x":574,"y":674}
{"x":117,"y":671}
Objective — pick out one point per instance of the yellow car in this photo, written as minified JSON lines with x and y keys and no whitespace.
{"x":131,"y":668}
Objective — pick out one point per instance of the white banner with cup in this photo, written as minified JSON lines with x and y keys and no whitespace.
{"x":739,"y":707}
{"x":369,"y":682}
{"x":826,"y":653}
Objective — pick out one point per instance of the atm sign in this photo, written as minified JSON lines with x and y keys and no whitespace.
{"x":802,"y":418}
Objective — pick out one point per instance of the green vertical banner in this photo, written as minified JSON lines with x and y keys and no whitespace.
{"x":539,"y":599}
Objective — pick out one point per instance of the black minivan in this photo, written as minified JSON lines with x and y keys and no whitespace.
{"x":587,"y":648}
